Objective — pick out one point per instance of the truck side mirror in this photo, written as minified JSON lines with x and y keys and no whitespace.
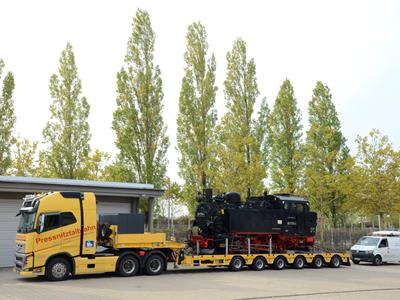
{"x":40,"y":224}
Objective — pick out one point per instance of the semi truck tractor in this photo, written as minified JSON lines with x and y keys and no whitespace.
{"x":60,"y":234}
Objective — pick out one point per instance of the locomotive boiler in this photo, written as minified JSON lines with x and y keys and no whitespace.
{"x":277,"y":222}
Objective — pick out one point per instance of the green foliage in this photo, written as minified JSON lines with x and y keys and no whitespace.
{"x":286,"y":147}
{"x":239,"y":160}
{"x":7,"y":119}
{"x":67,"y":132}
{"x":24,"y":158}
{"x":137,"y":121}
{"x":96,"y":164}
{"x":197,"y":116}
{"x":378,"y":176}
{"x":329,"y":164}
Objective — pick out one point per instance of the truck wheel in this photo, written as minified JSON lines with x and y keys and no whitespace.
{"x":236,"y":264}
{"x":377,"y":260}
{"x":128,"y":265}
{"x":299,"y":262}
{"x":317,"y":262}
{"x":57,"y":269}
{"x":154,"y":265}
{"x":258,"y":263}
{"x":335,"y":261}
{"x":279,"y":263}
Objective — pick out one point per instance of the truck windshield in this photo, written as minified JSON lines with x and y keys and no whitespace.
{"x":27,"y":219}
{"x":368,"y":241}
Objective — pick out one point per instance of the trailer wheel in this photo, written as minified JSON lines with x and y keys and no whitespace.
{"x":335,"y":261}
{"x":299,"y":262}
{"x":258,"y":263}
{"x":279,"y":263}
{"x":127,"y":266}
{"x":317,"y":262}
{"x":57,"y":269}
{"x":236,"y":264}
{"x":377,"y":260}
{"x":154,"y":265}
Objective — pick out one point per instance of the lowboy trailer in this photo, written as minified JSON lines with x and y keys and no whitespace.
{"x":59,"y":235}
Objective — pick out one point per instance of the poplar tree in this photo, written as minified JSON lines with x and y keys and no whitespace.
{"x":328,"y":160}
{"x":24,"y":158}
{"x":286,"y":145}
{"x":67,"y":132}
{"x":197,"y":116}
{"x":378,"y":176}
{"x":137,"y":121}
{"x":240,"y":163}
{"x":7,"y":119}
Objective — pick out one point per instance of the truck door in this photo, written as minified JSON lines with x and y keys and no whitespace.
{"x":383,"y":250}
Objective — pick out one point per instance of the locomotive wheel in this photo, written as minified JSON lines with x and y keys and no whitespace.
{"x":317,"y":262}
{"x":258,"y":263}
{"x":279,"y":263}
{"x":335,"y":261}
{"x":236,"y":264}
{"x":299,"y":262}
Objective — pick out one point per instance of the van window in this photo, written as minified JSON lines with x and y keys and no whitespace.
{"x":383,"y":243}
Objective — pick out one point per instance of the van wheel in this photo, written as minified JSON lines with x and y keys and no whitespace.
{"x":154,"y":265}
{"x":377,"y":260}
{"x":128,"y":265}
{"x":356,"y":262}
{"x":258,"y":263}
{"x":57,"y":269}
{"x":335,"y":261}
{"x":279,"y":263}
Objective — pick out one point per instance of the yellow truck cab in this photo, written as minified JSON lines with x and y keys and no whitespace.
{"x":59,"y":235}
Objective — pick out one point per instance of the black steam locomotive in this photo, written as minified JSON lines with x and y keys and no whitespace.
{"x":281,"y":221}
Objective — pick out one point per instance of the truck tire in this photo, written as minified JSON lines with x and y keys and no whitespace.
{"x":57,"y":269}
{"x":128,"y":265}
{"x":154,"y":265}
{"x":104,"y":231}
{"x":299,"y":262}
{"x":279,"y":263}
{"x":377,"y":260}
{"x":236,"y":264}
{"x":317,"y":262}
{"x":335,"y":262}
{"x":258,"y":263}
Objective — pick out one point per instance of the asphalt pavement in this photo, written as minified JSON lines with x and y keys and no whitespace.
{"x":355,"y":282}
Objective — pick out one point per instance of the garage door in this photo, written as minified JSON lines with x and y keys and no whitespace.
{"x":113,"y":207}
{"x":8,"y":228}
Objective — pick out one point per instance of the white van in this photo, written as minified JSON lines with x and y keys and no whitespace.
{"x":380,"y":247}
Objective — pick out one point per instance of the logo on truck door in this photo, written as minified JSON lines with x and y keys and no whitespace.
{"x":89,"y":244}
{"x":64,"y":234}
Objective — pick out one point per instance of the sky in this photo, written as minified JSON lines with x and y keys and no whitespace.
{"x":352,"y":46}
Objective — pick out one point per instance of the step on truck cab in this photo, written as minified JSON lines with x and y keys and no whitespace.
{"x":377,"y":248}
{"x":59,"y":235}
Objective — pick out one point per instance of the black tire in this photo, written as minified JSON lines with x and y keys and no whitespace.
{"x":318,"y":262}
{"x":258,"y":263}
{"x":356,"y":262}
{"x":299,"y":262}
{"x":335,"y":262}
{"x":58,"y":269}
{"x":279,"y":263}
{"x":377,"y":260}
{"x":128,"y":265}
{"x":236,"y":264}
{"x":104,"y":231}
{"x":154,"y":265}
